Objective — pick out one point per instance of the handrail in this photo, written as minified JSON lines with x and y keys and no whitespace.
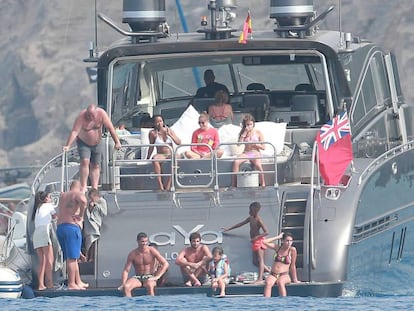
{"x":274,"y":157}
{"x":7,"y":245}
{"x":175,"y":175}
{"x":116,"y":161}
{"x":211,"y":159}
{"x":54,"y":162}
{"x":315,"y":159}
{"x":382,"y":157}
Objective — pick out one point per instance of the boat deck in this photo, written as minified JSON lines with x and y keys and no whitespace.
{"x":314,"y":289}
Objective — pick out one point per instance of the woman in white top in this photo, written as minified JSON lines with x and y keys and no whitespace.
{"x":42,"y":215}
{"x":161,"y":134}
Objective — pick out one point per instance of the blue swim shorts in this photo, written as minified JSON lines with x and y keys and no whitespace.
{"x":70,"y":240}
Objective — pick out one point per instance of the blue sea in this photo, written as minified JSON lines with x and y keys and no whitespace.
{"x":202,"y":302}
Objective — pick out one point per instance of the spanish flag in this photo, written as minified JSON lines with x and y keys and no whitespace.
{"x":247,"y":28}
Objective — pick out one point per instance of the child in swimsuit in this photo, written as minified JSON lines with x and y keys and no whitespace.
{"x":258,"y":231}
{"x":219,"y":270}
{"x":252,"y":150}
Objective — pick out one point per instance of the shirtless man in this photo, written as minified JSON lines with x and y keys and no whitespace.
{"x":193,"y":260}
{"x":143,"y":258}
{"x":258,"y":232}
{"x":71,"y":209}
{"x":87,"y":130}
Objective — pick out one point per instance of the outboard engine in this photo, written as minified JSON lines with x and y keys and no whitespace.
{"x":144,"y":15}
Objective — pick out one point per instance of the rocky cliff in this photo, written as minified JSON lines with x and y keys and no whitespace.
{"x":43,"y":42}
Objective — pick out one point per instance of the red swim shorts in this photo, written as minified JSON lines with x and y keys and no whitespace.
{"x":258,"y":244}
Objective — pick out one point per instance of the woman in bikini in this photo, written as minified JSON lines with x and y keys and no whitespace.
{"x":284,"y":262}
{"x":252,"y":151}
{"x":221,"y":112}
{"x":161,"y":134}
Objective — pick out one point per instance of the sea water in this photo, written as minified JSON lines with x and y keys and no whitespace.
{"x":202,"y":302}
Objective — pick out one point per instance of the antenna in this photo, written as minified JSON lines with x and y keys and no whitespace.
{"x":93,"y":45}
{"x":341,"y":42}
{"x":96,"y":30}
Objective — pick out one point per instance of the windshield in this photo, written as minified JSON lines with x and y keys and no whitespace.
{"x":141,"y":85}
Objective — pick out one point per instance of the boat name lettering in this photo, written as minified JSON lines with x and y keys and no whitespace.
{"x":169,"y":238}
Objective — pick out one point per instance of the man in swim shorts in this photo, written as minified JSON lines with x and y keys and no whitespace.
{"x":87,"y":130}
{"x":143,"y":259}
{"x":193,"y":260}
{"x":71,"y":209}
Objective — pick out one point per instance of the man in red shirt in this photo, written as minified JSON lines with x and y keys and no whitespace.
{"x":204,"y":135}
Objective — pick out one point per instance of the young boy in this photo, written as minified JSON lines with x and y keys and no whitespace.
{"x":256,"y":237}
{"x":219,"y":270}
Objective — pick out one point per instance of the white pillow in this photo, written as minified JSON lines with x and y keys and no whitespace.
{"x":145,"y":141}
{"x":185,"y":126}
{"x":273,"y":133}
{"x":229,"y":133}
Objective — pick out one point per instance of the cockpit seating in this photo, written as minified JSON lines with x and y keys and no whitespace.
{"x":255,"y":104}
{"x":304,"y":87}
{"x":256,"y":87}
{"x":307,"y":103}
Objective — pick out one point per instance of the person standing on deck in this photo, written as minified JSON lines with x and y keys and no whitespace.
{"x":42,"y":215}
{"x":72,"y":205}
{"x":258,"y":232}
{"x":87,"y":130}
{"x":96,"y":211}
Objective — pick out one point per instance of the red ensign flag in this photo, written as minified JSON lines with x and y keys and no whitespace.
{"x":334,"y":148}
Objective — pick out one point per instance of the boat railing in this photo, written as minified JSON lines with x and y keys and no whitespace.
{"x":180,"y":175}
{"x":212,"y":172}
{"x":232,"y":158}
{"x":6,"y":238}
{"x":57,"y":161}
{"x":394,"y":151}
{"x":117,"y":163}
{"x":314,"y":187}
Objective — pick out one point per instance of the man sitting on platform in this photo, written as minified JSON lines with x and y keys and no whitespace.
{"x":193,"y":260}
{"x":143,"y":258}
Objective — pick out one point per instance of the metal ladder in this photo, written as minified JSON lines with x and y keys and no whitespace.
{"x":293,"y":220}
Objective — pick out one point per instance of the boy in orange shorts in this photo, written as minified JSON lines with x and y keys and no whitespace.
{"x":256,"y":237}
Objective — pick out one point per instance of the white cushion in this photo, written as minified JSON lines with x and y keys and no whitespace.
{"x":273,"y":133}
{"x":145,"y":141}
{"x":185,"y":126}
{"x":229,"y":133}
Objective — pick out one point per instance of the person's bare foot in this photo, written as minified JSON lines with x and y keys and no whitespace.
{"x":74,"y":287}
{"x":83,"y":285}
{"x":259,"y":282}
{"x":42,"y":288}
{"x":197,"y":284}
{"x":188,"y":284}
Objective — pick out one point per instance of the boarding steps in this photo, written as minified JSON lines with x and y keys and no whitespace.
{"x":293,"y":220}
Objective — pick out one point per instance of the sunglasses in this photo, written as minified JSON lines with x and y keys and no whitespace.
{"x":202,"y":122}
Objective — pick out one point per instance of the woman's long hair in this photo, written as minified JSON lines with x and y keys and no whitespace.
{"x":247,"y":117}
{"x":40,"y":198}
{"x":221,"y":98}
